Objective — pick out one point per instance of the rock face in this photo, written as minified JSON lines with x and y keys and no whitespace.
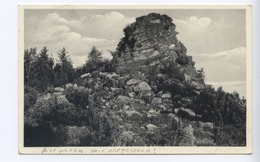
{"x":150,"y":46}
{"x":150,"y":81}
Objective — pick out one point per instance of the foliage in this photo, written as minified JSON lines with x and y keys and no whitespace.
{"x":64,"y":72}
{"x":95,"y":62}
{"x":78,"y":96}
{"x":38,"y":69}
{"x":30,"y":97}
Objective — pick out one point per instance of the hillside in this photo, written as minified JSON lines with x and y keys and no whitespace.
{"x":149,"y":94}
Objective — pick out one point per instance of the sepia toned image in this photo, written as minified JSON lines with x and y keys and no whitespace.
{"x":135,"y":80}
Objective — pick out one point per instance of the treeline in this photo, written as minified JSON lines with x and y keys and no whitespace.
{"x":40,"y":71}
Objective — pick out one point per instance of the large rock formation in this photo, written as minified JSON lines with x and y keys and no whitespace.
{"x":150,"y":48}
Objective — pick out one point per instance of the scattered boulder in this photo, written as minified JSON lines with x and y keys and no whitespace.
{"x":58,"y":89}
{"x":143,"y":86}
{"x":152,"y":112}
{"x":130,"y":113}
{"x":61,"y":99}
{"x":166,"y":95}
{"x":186,"y":113}
{"x":132,"y":82}
{"x":151,"y":127}
{"x":69,"y":85}
{"x":174,"y":116}
{"x":123,"y":99}
{"x":157,"y":100}
{"x":85,"y":75}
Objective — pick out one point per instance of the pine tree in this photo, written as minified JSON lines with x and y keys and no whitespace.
{"x":64,"y":72}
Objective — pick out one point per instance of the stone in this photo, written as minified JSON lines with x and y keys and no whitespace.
{"x":58,"y":93}
{"x":123,"y":99}
{"x":143,"y":86}
{"x":85,"y":75}
{"x":132,"y":82}
{"x":130,"y":113}
{"x":114,"y":89}
{"x":75,"y":86}
{"x":162,"y":107}
{"x":131,"y":94}
{"x":182,"y":112}
{"x":151,"y":127}
{"x":154,"y":54}
{"x":157,"y":100}
{"x":174,"y":116}
{"x":156,"y":21}
{"x":166,"y":95}
{"x":187,"y":77}
{"x":58,"y":89}
{"x":140,"y":57}
{"x":47,"y":96}
{"x":172,"y":46}
{"x":69,"y":85}
{"x":109,"y":75}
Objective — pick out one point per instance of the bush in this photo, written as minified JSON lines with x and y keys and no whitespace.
{"x":79,"y":96}
{"x":30,"y":97}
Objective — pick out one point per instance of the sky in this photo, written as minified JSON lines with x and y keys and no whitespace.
{"x":215,"y":38}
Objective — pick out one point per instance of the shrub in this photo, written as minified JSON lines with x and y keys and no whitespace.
{"x":78,"y":96}
{"x":30,"y":97}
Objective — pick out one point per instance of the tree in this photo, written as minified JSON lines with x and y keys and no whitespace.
{"x":64,"y":72}
{"x":94,"y":61}
{"x":30,"y":57}
{"x":38,"y":69}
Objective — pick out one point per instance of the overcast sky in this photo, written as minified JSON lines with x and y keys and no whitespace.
{"x":215,"y":38}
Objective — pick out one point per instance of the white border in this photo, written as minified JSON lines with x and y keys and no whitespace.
{"x":9,"y":86}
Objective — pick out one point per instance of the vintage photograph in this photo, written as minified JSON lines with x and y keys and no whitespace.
{"x":135,"y":79}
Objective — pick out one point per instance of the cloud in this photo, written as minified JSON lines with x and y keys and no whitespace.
{"x":226,"y":66}
{"x":56,"y":32}
{"x":226,"y":69}
{"x":206,"y":35}
{"x":108,"y":26}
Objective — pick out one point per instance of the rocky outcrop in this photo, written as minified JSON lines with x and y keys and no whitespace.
{"x":151,"y":47}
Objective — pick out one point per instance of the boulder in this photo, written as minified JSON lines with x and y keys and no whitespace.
{"x":47,"y":96}
{"x":85,"y":75}
{"x":186,"y":113}
{"x":155,"y":21}
{"x":187,"y":77}
{"x":152,"y":113}
{"x":123,"y":99}
{"x":166,"y":95}
{"x":174,"y":116}
{"x":172,"y":46}
{"x":130,"y":113}
{"x":58,"y":89}
{"x":69,"y":85}
{"x":132,"y":82}
{"x":151,"y":127}
{"x":143,"y":86}
{"x":109,"y":75}
{"x":157,"y":100}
